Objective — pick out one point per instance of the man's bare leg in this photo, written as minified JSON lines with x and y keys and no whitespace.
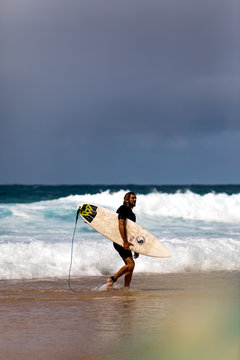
{"x":126,"y":270}
{"x":128,"y":274}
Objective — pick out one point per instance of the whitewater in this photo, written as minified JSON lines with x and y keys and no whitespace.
{"x":201,"y":231}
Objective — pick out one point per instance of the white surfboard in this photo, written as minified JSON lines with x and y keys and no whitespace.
{"x":106,"y":223}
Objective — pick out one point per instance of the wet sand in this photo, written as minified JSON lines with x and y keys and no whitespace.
{"x":170,"y":316}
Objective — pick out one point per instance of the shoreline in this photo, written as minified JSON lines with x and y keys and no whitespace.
{"x":135,"y":274}
{"x":43,"y":319}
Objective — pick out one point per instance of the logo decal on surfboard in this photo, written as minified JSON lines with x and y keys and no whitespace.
{"x":131,"y":239}
{"x":140,"y":239}
{"x":88,"y":212}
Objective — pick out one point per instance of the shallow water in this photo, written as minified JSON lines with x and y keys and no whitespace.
{"x":170,"y":316}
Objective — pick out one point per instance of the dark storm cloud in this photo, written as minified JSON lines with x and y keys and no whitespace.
{"x":77,"y":70}
{"x":171,"y":63}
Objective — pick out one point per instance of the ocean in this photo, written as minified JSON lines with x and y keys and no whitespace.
{"x":198,"y":224}
{"x":183,"y":307}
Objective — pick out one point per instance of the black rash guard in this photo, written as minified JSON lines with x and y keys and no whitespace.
{"x":124,"y":212}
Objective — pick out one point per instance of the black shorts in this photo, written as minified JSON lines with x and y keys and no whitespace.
{"x":122,"y":252}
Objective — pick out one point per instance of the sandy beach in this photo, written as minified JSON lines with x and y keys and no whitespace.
{"x":171,"y":316}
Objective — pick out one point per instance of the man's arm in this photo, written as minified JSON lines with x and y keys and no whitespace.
{"x":123,"y":232}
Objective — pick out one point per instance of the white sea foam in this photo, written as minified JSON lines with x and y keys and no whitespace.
{"x":187,"y":205}
{"x":38,"y":259}
{"x":201,"y":232}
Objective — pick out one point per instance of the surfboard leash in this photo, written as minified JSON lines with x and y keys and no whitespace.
{"x":106,"y":282}
{"x":70,"y":267}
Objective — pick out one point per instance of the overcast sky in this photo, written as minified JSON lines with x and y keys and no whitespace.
{"x":119,"y":91}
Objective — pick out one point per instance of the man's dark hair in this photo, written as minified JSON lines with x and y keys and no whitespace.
{"x":127,"y":197}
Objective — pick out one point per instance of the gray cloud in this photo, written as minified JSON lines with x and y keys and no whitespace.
{"x":73,"y":72}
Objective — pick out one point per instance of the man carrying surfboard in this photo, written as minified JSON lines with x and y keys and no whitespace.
{"x":125,"y":212}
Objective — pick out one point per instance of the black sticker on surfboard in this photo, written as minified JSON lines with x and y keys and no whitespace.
{"x":88,"y":212}
{"x":140,"y":239}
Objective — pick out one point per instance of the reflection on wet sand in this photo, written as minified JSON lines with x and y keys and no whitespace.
{"x":175,"y":316}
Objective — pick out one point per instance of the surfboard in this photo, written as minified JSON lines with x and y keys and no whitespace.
{"x":105,"y":222}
